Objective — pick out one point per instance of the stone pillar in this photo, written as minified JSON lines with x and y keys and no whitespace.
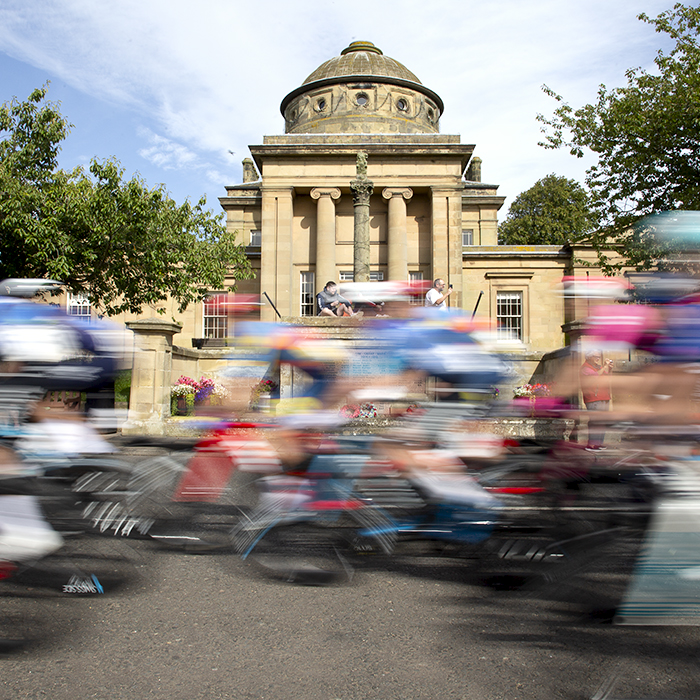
{"x":446,"y":232}
{"x":149,"y":403}
{"x":361,"y":189}
{"x":325,"y":234}
{"x":276,"y":260}
{"x":397,"y":248}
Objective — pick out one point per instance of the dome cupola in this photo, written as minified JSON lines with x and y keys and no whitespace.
{"x":361,"y":91}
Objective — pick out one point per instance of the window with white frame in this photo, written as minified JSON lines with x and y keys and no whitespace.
{"x":256,"y":238}
{"x":79,"y":305}
{"x":308,"y":297}
{"x":417,"y":298}
{"x":349,"y":276}
{"x":215,"y":316}
{"x":509,"y":315}
{"x":467,"y":237}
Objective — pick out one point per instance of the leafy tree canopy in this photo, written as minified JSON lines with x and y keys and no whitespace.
{"x":554,"y":211}
{"x":118,"y":241}
{"x":646,"y":137}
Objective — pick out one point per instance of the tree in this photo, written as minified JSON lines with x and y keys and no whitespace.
{"x":554,"y":211}
{"x":646,"y":137}
{"x":118,"y":241}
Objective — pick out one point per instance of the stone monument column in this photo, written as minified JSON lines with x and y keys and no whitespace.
{"x":325,"y":234}
{"x":397,"y":248}
{"x":361,"y":189}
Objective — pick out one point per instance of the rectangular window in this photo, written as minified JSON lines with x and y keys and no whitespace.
{"x":467,"y":237}
{"x":349,"y":276}
{"x":79,"y":305}
{"x":256,"y":238}
{"x":509,"y":315}
{"x":308,"y":297}
{"x":215,"y":316}
{"x":417,"y":298}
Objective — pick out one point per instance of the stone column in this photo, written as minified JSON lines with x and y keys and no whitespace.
{"x":397,"y":246}
{"x":325,"y":234}
{"x":149,"y":403}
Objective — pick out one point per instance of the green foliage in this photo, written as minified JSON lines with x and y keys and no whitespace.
{"x":118,"y":241}
{"x":122,"y":386}
{"x":646,"y":138}
{"x":554,"y":211}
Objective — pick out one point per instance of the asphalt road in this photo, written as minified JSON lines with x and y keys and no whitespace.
{"x":190,"y":627}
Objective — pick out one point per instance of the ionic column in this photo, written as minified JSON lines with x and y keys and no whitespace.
{"x":325,"y":234}
{"x":397,"y":246}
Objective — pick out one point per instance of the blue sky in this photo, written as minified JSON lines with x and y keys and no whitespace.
{"x":171,"y":88}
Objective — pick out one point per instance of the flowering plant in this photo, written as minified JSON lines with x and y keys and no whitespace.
{"x":262,"y":388}
{"x":195,"y":391}
{"x":354,"y":410}
{"x":531,"y":391}
{"x":181,"y":390}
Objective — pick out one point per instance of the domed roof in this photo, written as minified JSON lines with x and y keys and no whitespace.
{"x":359,"y":59}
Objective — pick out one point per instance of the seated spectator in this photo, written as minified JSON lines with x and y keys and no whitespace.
{"x":330,"y":303}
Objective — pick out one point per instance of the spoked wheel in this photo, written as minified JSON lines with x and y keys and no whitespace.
{"x":101,"y":495}
{"x":316,"y":552}
{"x":198,"y":520}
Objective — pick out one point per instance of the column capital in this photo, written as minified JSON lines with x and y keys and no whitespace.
{"x":332,"y":192}
{"x":389,"y":192}
{"x":361,"y":190}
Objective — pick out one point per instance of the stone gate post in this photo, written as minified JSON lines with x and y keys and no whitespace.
{"x":149,"y":403}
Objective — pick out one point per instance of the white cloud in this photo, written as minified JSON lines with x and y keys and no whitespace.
{"x":166,"y":153}
{"x":209,"y":77}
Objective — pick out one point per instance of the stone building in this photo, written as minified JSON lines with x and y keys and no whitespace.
{"x":430,"y":214}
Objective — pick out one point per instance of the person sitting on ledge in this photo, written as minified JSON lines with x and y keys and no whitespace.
{"x":330,"y":303}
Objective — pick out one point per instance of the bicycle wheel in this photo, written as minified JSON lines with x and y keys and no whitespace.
{"x":314,"y":552}
{"x":199,"y":522}
{"x":84,"y":496}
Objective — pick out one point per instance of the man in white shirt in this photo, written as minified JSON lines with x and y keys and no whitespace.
{"x":436,"y":295}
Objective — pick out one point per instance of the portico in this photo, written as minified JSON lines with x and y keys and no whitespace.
{"x":417,"y":208}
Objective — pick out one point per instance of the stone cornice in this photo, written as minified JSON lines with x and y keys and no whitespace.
{"x":154,"y":325}
{"x":483,"y":199}
{"x":420,"y":150}
{"x":240,"y":201}
{"x":510,"y":274}
{"x":516,"y":251}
